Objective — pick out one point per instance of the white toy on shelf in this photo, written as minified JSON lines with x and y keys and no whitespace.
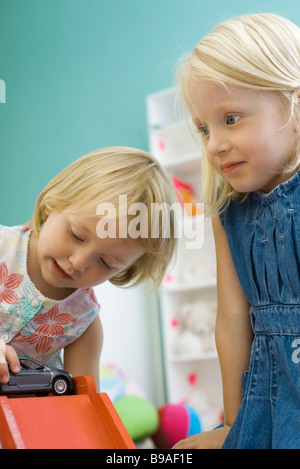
{"x":196,"y":328}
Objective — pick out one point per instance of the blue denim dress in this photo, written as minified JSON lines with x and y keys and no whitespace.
{"x":264,"y":238}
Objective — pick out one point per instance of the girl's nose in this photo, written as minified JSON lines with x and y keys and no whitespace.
{"x":79,"y":261}
{"x":217,"y":143}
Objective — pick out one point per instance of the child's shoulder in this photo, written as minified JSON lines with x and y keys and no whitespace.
{"x":18,"y":233}
{"x":14,"y":229}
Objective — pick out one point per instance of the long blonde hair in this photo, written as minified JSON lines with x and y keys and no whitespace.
{"x":257,"y":52}
{"x":101,"y":177}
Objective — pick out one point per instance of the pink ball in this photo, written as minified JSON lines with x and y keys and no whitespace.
{"x":177,"y":421}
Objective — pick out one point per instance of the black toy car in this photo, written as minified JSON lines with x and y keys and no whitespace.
{"x":37,"y":378}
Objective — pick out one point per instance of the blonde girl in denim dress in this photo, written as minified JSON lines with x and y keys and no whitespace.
{"x":48,"y":268}
{"x":242,"y":87}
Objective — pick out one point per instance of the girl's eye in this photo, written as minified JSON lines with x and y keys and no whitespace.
{"x":204,"y":129}
{"x":77,"y":238}
{"x":231,"y":119}
{"x":107,"y":266}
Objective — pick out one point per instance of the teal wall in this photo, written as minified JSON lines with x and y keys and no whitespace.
{"x":77,"y":73}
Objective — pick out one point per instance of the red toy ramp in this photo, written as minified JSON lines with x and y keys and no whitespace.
{"x":86,"y":420}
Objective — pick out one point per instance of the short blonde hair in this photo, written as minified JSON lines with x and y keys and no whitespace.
{"x":257,"y":52}
{"x":101,"y":177}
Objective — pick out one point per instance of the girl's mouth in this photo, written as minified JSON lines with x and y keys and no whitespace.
{"x":58,"y":271}
{"x":230,"y":168}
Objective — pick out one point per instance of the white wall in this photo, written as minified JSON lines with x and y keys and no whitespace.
{"x":130,"y":321}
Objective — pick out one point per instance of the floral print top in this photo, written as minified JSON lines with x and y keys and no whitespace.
{"x":34,"y":325}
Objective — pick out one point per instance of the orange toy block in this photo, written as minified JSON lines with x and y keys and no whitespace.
{"x":86,"y":420}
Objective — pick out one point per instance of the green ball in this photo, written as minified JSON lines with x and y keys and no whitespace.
{"x":138,"y":415}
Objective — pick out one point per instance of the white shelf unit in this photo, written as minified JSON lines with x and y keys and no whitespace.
{"x":188,"y":294}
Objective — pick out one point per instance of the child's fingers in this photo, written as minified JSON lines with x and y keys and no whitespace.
{"x":8,"y":355}
{"x":12,"y":359}
{"x":4,"y":374}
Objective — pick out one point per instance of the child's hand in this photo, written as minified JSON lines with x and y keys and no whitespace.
{"x":207,"y":440}
{"x":8,"y":355}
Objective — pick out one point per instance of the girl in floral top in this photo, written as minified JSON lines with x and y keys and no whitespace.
{"x":81,"y":235}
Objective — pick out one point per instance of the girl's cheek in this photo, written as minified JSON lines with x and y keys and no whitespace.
{"x":212,"y":162}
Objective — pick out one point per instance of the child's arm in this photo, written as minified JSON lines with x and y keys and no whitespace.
{"x":233,"y":339}
{"x":233,"y":327}
{"x":82,"y":357}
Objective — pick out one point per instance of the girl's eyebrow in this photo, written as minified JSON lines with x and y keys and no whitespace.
{"x":78,"y":224}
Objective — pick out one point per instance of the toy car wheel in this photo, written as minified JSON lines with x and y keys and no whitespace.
{"x":60,"y":386}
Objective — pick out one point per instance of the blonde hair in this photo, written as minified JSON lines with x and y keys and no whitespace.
{"x":100,"y":177}
{"x":257,"y":52}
